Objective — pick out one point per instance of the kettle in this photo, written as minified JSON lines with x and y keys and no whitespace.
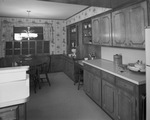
{"x":117,"y":59}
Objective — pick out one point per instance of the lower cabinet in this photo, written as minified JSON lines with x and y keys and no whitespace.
{"x":68,"y":67}
{"x":120,"y":99}
{"x":87,"y":82}
{"x":56,"y":63}
{"x":108,"y":98}
{"x":92,"y":83}
{"x":125,"y":105}
{"x":17,"y":112}
{"x":96,"y":89}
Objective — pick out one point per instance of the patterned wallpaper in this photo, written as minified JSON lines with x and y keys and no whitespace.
{"x":89,"y":12}
{"x":53,"y":30}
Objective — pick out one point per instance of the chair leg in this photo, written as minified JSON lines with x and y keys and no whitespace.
{"x":48,"y":79}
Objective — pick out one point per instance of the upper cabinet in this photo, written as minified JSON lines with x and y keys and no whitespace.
{"x":101,"y":30}
{"x":128,"y":26}
{"x":73,"y":36}
{"x":105,"y":22}
{"x":119,"y":28}
{"x":137,"y":23}
{"x":118,"y":3}
{"x":87,"y":31}
{"x":96,"y":30}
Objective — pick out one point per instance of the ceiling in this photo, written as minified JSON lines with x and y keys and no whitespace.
{"x":39,"y":9}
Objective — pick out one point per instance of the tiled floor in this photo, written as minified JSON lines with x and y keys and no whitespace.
{"x":62,"y":101}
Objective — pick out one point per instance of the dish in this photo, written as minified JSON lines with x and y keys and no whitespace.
{"x":135,"y":69}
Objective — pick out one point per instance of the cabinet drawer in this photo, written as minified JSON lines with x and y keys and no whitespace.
{"x":121,"y":83}
{"x":8,"y":113}
{"x":92,"y":69}
{"x":109,"y":77}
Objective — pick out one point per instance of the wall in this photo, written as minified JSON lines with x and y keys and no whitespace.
{"x":53,"y":30}
{"x":87,"y":13}
{"x":128,"y":55}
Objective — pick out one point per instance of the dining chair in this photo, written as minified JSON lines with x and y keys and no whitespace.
{"x":44,"y":70}
{"x":33,"y":76}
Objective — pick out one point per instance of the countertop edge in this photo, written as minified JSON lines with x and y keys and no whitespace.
{"x":128,"y":79}
{"x":15,"y":102}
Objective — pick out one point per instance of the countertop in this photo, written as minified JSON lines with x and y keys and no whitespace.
{"x":110,"y":67}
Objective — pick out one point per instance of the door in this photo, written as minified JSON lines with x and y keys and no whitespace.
{"x":96,"y":30}
{"x":119,"y":28}
{"x":87,"y":82}
{"x":105,"y":24}
{"x":125,"y":106}
{"x":137,"y":23}
{"x":96,"y":89}
{"x":108,"y":98}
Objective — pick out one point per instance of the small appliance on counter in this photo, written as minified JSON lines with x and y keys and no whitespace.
{"x":117,"y":59}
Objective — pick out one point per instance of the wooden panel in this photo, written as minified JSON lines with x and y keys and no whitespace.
{"x":109,"y":77}
{"x":9,"y":113}
{"x":127,"y":86}
{"x":87,"y":82}
{"x":96,"y":89}
{"x":96,"y":30}
{"x":137,"y":23}
{"x":108,"y":98}
{"x":119,"y":27}
{"x":106,"y":30}
{"x":125,"y":107}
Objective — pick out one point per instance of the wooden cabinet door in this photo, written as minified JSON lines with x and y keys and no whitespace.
{"x":125,"y":106}
{"x":56,"y":63}
{"x":105,"y":25}
{"x":96,"y":30}
{"x":137,"y":23}
{"x":108,"y":98}
{"x":87,"y":82}
{"x":119,"y":28}
{"x":96,"y":89}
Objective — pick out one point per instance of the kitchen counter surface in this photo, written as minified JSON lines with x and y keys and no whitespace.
{"x":110,"y":67}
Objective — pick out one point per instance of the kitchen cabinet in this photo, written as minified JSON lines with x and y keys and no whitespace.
{"x":68,"y":67}
{"x":87,"y":82}
{"x":108,"y":93}
{"x":128,"y":26}
{"x":105,"y":24}
{"x":118,"y":3}
{"x":73,"y":36}
{"x":137,"y":23}
{"x":101,"y":30}
{"x":119,"y":28}
{"x":57,"y":64}
{"x":92,"y":83}
{"x":16,"y":112}
{"x":125,"y":100}
{"x":87,"y":31}
{"x":96,"y":30}
{"x":119,"y":98}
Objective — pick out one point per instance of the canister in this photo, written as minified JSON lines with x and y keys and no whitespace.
{"x":118,"y":59}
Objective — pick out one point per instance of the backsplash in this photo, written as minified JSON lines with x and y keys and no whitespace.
{"x":128,"y":55}
{"x":53,"y":30}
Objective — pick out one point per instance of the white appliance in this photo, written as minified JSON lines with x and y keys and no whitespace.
{"x":147,"y":49}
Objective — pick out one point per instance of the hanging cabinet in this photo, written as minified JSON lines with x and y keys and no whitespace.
{"x":128,"y":26}
{"x":101,"y":30}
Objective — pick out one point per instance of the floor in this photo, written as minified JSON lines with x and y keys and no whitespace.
{"x":62,"y":101}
